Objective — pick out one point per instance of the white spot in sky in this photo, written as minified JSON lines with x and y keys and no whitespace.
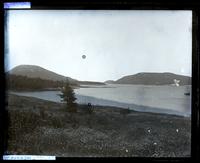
{"x":182,"y":70}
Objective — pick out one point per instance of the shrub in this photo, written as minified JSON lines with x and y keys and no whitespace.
{"x":125,"y":111}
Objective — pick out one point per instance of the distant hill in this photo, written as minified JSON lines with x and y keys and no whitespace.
{"x":24,"y":83}
{"x":154,"y":79}
{"x":109,"y":82}
{"x":33,"y":71}
{"x":90,"y":83}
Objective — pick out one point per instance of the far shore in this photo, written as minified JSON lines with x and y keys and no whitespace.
{"x":46,"y":128}
{"x":54,"y":89}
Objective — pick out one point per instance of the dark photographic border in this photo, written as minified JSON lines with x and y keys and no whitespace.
{"x":118,"y":5}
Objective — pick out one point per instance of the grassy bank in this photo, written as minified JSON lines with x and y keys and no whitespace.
{"x":42,"y":127}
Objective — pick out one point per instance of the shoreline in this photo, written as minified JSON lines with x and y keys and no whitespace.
{"x":104,"y":103}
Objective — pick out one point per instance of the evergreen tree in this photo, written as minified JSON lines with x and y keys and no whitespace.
{"x":68,"y":96}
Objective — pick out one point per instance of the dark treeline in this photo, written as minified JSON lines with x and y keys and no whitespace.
{"x":17,"y":82}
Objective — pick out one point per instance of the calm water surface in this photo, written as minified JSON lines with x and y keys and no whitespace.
{"x":167,"y":98}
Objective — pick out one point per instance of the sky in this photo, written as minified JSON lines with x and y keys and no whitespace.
{"x":115,"y":43}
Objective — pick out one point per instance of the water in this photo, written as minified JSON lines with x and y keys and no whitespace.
{"x":166,"y":99}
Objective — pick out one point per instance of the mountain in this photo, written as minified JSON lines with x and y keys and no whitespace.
{"x":33,"y":71}
{"x":109,"y":82}
{"x":154,"y":79}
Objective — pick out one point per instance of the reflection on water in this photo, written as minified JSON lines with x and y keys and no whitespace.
{"x":165,"y":97}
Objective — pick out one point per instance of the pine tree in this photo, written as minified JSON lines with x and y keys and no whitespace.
{"x":68,"y":96}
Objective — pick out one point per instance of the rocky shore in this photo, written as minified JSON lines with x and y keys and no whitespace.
{"x":46,"y":128}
